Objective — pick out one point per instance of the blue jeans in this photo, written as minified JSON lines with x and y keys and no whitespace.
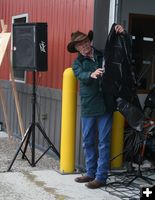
{"x":97,"y":163}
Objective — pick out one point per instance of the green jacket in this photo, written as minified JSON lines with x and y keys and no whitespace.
{"x":92,"y":100}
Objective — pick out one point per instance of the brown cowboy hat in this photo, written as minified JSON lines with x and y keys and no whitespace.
{"x":77,"y":37}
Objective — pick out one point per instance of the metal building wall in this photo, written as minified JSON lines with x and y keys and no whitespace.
{"x":48,"y":111}
{"x":101,"y":23}
{"x":63,"y":17}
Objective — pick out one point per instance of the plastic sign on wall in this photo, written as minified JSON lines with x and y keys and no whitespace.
{"x":4,"y":39}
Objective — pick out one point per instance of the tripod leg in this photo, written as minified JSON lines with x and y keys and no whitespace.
{"x":48,"y":140}
{"x":27,"y":141}
{"x":147,"y":179}
{"x":42,"y":155}
{"x":16,"y":154}
{"x":33,"y":145}
{"x":132,"y":180}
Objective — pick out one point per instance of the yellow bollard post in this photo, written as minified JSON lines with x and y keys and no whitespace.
{"x":68,"y":122}
{"x":117,"y":140}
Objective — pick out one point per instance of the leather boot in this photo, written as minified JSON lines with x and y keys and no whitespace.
{"x":95,"y":184}
{"x":83,"y":179}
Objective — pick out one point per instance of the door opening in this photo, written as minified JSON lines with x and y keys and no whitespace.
{"x":142,"y":29}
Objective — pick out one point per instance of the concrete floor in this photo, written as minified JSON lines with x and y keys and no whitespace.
{"x":46,"y":185}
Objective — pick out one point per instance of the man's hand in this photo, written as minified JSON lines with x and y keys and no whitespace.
{"x":119,"y":29}
{"x":98,"y":73}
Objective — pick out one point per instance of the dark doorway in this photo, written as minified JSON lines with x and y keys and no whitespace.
{"x":142,"y":29}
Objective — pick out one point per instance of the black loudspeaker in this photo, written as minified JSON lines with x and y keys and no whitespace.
{"x":30,"y":46}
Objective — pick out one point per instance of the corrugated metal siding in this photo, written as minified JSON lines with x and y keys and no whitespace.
{"x":63,"y":17}
{"x":49,"y":105}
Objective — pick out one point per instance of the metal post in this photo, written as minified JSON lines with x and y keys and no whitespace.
{"x":68,"y":123}
{"x":117,"y":140}
{"x":33,"y":118}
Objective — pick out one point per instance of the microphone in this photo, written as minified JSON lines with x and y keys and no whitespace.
{"x":100,"y":78}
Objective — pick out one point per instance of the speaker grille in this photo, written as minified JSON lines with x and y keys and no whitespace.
{"x":24,"y":53}
{"x":25,"y":46}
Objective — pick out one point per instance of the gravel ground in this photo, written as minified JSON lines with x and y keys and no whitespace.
{"x":8,"y":148}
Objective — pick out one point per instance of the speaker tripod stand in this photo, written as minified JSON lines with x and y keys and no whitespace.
{"x":138,"y":174}
{"x":30,"y":133}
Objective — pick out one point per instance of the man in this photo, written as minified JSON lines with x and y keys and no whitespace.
{"x":89,"y":71}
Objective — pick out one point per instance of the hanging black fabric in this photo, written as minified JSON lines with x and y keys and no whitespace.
{"x":119,"y":79}
{"x":132,"y":114}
